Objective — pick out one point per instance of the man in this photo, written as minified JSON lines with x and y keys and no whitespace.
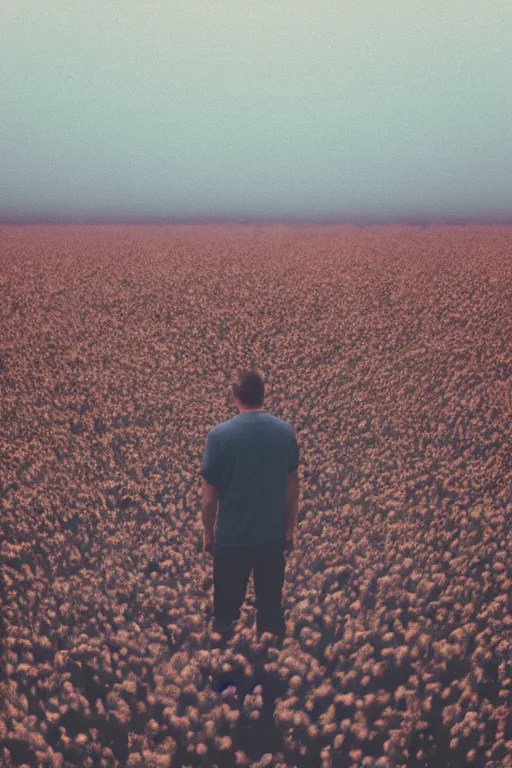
{"x":250,"y":472}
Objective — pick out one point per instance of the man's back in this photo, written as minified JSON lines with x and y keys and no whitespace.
{"x":248,"y":459}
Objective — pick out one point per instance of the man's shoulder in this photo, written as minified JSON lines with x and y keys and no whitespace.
{"x":234,"y":425}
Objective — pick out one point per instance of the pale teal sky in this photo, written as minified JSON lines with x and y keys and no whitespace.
{"x":261,"y":109}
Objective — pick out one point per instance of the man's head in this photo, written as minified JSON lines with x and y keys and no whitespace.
{"x":248,"y":390}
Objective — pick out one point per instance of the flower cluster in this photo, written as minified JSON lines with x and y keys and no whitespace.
{"x":389,"y":352}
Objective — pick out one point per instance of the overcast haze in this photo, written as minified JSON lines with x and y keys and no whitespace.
{"x":255,"y":110}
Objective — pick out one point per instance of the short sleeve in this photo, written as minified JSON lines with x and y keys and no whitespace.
{"x":211,"y":469}
{"x":293,"y":455}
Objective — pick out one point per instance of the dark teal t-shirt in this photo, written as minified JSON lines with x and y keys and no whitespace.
{"x":248,"y":459}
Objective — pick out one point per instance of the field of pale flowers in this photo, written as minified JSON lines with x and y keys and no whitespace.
{"x":389,"y":351}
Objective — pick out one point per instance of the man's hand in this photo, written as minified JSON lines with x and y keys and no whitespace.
{"x":288,"y":544}
{"x":208,"y":544}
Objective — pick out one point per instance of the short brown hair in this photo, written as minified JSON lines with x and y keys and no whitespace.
{"x":248,"y":387}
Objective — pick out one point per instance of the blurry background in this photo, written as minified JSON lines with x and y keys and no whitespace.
{"x":246,"y":110}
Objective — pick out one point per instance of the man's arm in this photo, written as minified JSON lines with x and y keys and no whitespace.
{"x":211,"y":472}
{"x":292,"y":504}
{"x":209,"y":507}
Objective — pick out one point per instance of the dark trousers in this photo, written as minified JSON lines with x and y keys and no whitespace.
{"x":232,"y":567}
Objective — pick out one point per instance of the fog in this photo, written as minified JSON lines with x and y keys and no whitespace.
{"x":255,"y":110}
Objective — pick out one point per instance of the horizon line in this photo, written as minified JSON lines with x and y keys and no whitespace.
{"x":415,"y":221}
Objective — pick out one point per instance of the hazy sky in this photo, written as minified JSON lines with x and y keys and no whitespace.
{"x":255,"y":109}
